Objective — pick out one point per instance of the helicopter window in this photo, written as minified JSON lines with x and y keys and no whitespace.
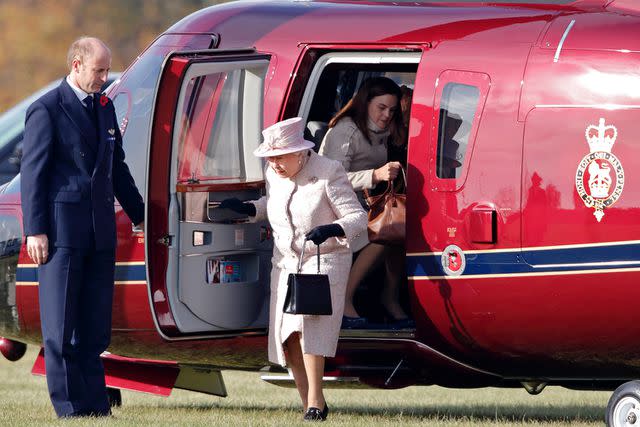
{"x":133,"y":98}
{"x":222,"y":154}
{"x":457,"y":110}
{"x":218,"y":122}
{"x":133,"y":101}
{"x":210,"y":141}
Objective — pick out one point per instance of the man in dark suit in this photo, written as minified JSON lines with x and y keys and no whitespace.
{"x":72,"y":167}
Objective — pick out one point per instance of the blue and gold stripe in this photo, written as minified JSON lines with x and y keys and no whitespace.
{"x":534,"y":261}
{"x":126,"y":273}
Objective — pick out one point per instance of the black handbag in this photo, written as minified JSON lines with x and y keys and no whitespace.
{"x":308,"y":293}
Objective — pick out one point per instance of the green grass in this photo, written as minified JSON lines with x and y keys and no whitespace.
{"x":251,"y":402}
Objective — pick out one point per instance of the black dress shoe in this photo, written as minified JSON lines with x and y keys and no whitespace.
{"x":315,"y":414}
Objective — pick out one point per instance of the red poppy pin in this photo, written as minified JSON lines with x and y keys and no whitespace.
{"x":103,"y":100}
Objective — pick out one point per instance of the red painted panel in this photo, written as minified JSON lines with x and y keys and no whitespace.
{"x":157,"y":196}
{"x":264,"y":23}
{"x":224,"y":186}
{"x":27,"y":301}
{"x":628,"y":6}
{"x":555,"y":146}
{"x":596,"y":31}
{"x":494,"y":167}
{"x":155,"y":377}
{"x":581,"y":78}
{"x":130,"y":307}
{"x":578,"y":318}
{"x":130,"y":245}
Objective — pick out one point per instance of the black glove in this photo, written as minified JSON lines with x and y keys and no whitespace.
{"x":238,"y":206}
{"x":322,"y":232}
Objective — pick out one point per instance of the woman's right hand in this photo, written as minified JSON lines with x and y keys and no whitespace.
{"x":388,"y":172}
{"x":238,"y":206}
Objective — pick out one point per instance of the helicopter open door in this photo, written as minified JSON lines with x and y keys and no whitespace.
{"x":208,"y":270}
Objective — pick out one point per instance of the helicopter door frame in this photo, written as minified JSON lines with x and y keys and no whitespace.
{"x":190,"y":111}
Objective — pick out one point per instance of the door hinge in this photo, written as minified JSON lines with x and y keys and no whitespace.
{"x":166,"y":240}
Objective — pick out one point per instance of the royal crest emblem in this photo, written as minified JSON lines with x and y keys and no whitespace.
{"x":600,"y":176}
{"x":453,"y":260}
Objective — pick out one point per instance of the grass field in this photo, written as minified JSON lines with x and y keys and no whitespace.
{"x":251,"y":402}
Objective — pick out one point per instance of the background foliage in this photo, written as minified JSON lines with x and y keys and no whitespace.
{"x":35,"y":35}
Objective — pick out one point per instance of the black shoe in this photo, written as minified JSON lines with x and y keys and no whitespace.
{"x":395,"y":323}
{"x":354,"y":322}
{"x":402,"y":324}
{"x":315,"y":414}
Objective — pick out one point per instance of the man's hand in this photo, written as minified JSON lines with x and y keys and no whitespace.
{"x":138,"y":228}
{"x":38,"y":248}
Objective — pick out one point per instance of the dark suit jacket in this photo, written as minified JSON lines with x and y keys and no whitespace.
{"x":70,"y":173}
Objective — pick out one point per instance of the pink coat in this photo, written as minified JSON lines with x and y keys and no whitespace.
{"x":319,"y":194}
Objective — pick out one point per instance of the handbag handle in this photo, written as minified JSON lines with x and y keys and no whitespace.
{"x":302,"y":256}
{"x":390,"y":188}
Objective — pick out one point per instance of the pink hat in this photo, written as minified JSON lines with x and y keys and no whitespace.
{"x":283,"y":138}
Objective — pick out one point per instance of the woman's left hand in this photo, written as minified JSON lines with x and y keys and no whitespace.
{"x":322,"y":232}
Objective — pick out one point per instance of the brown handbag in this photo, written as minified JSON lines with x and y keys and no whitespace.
{"x":387,"y":216}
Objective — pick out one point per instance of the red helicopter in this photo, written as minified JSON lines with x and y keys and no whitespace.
{"x":523,"y":248}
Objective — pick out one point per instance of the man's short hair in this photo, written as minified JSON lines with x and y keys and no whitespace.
{"x":83,"y":48}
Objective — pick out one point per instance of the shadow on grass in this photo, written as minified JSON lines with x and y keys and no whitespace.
{"x":477,"y":413}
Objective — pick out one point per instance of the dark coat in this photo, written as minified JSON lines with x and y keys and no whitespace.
{"x":70,"y":174}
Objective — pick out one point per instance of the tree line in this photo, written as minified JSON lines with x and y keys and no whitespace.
{"x":35,"y":35}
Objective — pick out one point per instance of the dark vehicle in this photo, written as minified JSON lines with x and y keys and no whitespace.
{"x":12,"y":130}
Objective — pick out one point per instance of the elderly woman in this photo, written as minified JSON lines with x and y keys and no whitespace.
{"x":308,"y":198}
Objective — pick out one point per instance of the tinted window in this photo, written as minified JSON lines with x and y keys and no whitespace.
{"x":210,"y":141}
{"x":133,"y":102}
{"x":339,"y":83}
{"x":457,"y":109}
{"x":133,"y":98}
{"x":222,"y":155}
